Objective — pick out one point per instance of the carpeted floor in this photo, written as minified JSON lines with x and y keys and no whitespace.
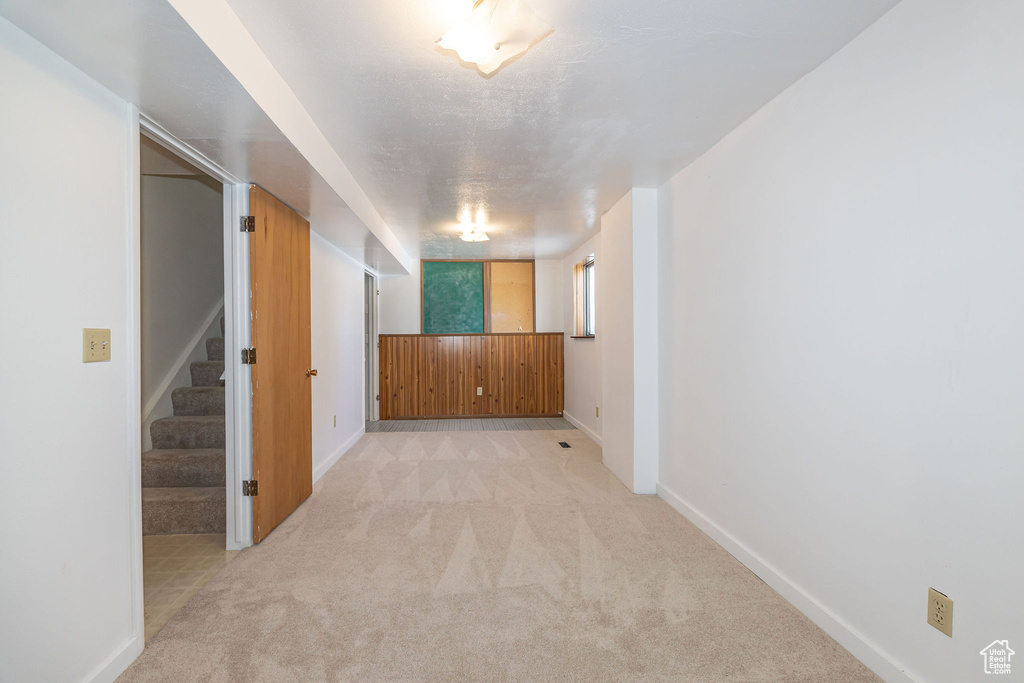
{"x":487,"y":556}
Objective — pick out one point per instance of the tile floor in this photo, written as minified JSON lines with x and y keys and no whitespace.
{"x":174,"y":568}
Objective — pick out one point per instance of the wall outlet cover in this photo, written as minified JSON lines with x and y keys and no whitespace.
{"x":940,"y":611}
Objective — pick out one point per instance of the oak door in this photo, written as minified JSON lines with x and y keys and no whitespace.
{"x":282,"y":446}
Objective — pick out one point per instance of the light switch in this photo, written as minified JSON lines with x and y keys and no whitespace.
{"x":95,"y":345}
{"x":479,"y":391}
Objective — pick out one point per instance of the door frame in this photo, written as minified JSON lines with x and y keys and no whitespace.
{"x":238,"y":385}
{"x":371,"y":378}
{"x":238,"y":388}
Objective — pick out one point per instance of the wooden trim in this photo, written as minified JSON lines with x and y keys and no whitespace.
{"x":487,"y":296}
{"x":583,"y":336}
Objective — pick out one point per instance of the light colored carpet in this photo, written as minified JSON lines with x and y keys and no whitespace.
{"x":487,"y":556}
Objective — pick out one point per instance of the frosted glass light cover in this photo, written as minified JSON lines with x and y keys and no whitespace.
{"x":474,"y":235}
{"x":495,"y":32}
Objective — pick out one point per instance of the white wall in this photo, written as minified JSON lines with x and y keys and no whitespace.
{"x":549,"y":289}
{"x":843,"y":325}
{"x":627,"y":322}
{"x":615,"y":328}
{"x":182,"y":270}
{"x":68,"y":449}
{"x":583,"y":358}
{"x":646,"y":373}
{"x":337,"y":304}
{"x":400,"y":302}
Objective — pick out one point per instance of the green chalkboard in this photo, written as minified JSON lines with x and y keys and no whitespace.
{"x":453,"y":297}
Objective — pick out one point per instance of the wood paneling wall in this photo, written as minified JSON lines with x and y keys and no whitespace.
{"x":424,"y":375}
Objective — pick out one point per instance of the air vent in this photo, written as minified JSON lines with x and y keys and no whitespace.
{"x":564,"y":444}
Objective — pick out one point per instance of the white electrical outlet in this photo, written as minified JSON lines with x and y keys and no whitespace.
{"x":479,"y":391}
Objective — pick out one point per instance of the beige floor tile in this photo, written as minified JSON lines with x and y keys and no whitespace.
{"x":157,"y":579}
{"x":175,"y":568}
{"x":160,"y":552}
{"x":183,"y":579}
{"x":174,"y":564}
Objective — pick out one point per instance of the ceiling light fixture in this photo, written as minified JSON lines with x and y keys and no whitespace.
{"x":495,"y":32}
{"x":474,"y":232}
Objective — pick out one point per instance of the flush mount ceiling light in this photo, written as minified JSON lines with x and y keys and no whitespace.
{"x":495,"y":32}
{"x":473,"y":232}
{"x":474,"y":235}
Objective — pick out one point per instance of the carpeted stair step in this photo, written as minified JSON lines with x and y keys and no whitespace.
{"x":206,"y":373}
{"x":215,"y":348}
{"x":198,"y":401}
{"x":183,"y":510}
{"x":183,"y":467}
{"x":198,"y":431}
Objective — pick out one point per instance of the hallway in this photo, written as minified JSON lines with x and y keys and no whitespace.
{"x":481,"y":556}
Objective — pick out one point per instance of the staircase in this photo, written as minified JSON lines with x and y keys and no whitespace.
{"x":183,"y":476}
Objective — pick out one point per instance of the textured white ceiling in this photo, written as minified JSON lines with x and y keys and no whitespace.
{"x":147,"y":53}
{"x":622,"y":94}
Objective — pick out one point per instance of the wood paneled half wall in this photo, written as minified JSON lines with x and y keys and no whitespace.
{"x":469,"y":375}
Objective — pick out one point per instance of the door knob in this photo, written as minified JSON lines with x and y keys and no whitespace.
{"x":310,"y":373}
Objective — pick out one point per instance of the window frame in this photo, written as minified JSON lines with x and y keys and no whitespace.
{"x":585,"y":299}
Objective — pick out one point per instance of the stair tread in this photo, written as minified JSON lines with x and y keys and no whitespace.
{"x":197,"y":401}
{"x":189,"y":418}
{"x":152,"y":494}
{"x":171,"y":452}
{"x":183,"y":510}
{"x":188,"y":431}
{"x":215,"y":348}
{"x":207,"y":373}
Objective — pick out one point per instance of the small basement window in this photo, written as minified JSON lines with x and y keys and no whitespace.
{"x":585,"y":299}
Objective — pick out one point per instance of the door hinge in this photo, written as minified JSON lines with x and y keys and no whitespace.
{"x":377,"y":397}
{"x":248,"y":223}
{"x":249,"y":356}
{"x":250,"y":487}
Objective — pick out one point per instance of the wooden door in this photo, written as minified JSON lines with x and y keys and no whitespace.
{"x":282,"y":424}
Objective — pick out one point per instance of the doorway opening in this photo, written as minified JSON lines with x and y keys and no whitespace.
{"x":183,"y":439}
{"x":370,"y":349}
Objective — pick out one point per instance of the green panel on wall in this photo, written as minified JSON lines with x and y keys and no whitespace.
{"x":453,"y":297}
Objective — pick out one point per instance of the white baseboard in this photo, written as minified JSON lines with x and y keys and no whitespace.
{"x":322,"y":468}
{"x":584,"y":428}
{"x":116,"y":663}
{"x":867,"y":651}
